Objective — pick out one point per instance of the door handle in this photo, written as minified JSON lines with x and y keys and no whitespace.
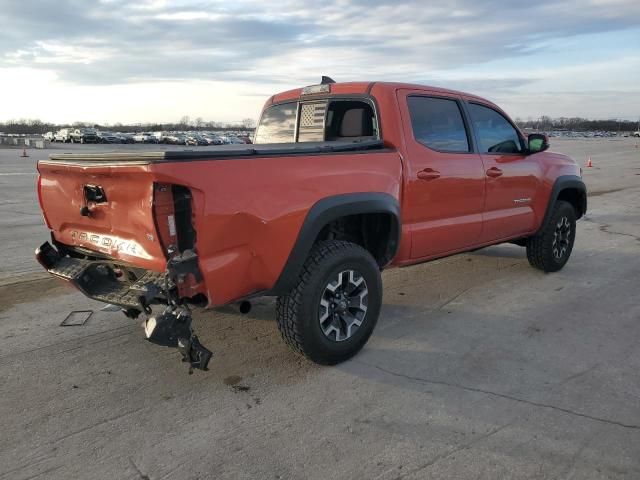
{"x":428,"y":174}
{"x":494,"y":172}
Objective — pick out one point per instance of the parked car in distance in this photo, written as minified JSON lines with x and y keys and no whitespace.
{"x":63,"y":135}
{"x":108,"y":137}
{"x":196,"y":140}
{"x":213,"y":140}
{"x":49,"y":136}
{"x":83,"y":135}
{"x":145,"y":137}
{"x":125,"y":137}
{"x":636,"y":134}
{"x":159,"y":136}
{"x":176,"y":139}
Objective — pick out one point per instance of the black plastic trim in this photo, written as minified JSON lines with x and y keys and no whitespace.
{"x":565,"y":182}
{"x":325,"y":211}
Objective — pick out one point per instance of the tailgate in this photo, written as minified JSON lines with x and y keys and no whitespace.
{"x":105,"y":208}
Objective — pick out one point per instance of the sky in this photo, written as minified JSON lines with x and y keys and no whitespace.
{"x":108,"y":61}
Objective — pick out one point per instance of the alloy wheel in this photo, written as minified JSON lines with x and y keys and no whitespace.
{"x":561,"y":238}
{"x":343,"y":305}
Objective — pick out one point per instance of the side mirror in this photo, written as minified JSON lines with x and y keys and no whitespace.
{"x":537,"y":142}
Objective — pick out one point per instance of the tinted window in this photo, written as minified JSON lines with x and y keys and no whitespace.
{"x":495,"y":133}
{"x":277,"y":124}
{"x":437,"y":123}
{"x":350,"y":119}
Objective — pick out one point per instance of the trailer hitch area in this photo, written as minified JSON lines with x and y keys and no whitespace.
{"x":172,"y":328}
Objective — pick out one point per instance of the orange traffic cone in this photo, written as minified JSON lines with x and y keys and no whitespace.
{"x":589,"y":164}
{"x":24,"y":152}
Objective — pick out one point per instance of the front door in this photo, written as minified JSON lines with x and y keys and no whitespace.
{"x":512,"y":177}
{"x":444,"y":193}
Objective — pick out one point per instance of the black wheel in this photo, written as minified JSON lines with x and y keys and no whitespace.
{"x":550,"y":249}
{"x":332,"y":311}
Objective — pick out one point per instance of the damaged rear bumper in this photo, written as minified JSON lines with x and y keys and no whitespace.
{"x":135,"y":289}
{"x":107,"y":281}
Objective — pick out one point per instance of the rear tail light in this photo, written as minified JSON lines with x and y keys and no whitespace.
{"x":164,"y":218}
{"x":172,"y":215}
{"x":183,"y":217}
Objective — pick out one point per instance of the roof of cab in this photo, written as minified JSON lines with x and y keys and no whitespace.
{"x":365,"y":87}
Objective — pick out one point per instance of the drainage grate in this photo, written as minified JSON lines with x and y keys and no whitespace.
{"x":76,"y":318}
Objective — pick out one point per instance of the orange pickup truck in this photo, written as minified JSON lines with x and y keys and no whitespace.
{"x":343,"y":180}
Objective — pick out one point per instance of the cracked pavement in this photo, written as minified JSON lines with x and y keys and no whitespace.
{"x":480,"y":367}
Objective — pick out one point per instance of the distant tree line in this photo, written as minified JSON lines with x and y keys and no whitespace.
{"x":34,"y":126}
{"x":578,"y":124}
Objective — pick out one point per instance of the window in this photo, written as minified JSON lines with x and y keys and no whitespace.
{"x":437,"y":123}
{"x":495,"y":133}
{"x":319,"y":120}
{"x":351,"y":120}
{"x":277,"y":124}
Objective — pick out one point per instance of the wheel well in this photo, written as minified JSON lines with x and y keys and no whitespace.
{"x":375,"y":232}
{"x":575,"y":197}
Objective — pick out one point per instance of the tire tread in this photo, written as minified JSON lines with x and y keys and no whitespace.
{"x":539,"y":246}
{"x":288,"y":307}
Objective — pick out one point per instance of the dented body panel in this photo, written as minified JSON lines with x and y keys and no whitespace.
{"x":122,"y":227}
{"x":246,"y":214}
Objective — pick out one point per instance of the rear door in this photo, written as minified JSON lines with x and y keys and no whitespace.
{"x":512,"y":177}
{"x":444,"y":193}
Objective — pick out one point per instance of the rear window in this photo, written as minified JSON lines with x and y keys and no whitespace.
{"x":319,"y":120}
{"x":437,"y":123}
{"x":278,"y":124}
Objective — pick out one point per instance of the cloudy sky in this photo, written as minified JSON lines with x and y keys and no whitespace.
{"x":157,"y":60}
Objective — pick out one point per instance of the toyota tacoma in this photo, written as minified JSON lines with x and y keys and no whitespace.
{"x":343,"y":180}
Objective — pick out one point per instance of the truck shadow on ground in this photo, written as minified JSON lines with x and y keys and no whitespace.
{"x":264,"y":308}
{"x":502,"y":251}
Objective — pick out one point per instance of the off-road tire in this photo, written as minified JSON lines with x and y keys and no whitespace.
{"x":540,"y":247}
{"x":298,"y":312}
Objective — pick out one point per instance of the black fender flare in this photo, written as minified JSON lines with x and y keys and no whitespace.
{"x":324,"y":212}
{"x":565,"y":182}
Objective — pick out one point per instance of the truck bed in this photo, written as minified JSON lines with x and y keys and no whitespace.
{"x":222,"y":152}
